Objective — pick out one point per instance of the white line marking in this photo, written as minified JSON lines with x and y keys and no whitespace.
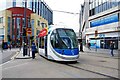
{"x":14,"y":66}
{"x":15,"y":55}
{"x":5,"y":63}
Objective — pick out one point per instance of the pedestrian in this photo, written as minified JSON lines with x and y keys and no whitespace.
{"x":111,"y":48}
{"x":33,"y":47}
{"x":89,"y":46}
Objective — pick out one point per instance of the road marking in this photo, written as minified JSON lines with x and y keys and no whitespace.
{"x":12,"y":58}
{"x":14,"y":66}
{"x":4,"y":63}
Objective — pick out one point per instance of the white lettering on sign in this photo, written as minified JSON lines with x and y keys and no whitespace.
{"x":17,"y":14}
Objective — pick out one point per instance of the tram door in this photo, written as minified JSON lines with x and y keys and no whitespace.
{"x":46,"y":46}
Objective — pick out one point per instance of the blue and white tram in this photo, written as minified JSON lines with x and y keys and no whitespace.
{"x":60,"y":45}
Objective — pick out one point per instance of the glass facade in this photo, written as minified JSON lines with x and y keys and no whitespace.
{"x":39,"y":7}
{"x":9,"y":22}
{"x":32,"y":25}
{"x":18,"y":28}
{"x":13,"y":27}
{"x":97,"y":6}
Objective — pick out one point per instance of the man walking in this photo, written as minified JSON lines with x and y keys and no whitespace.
{"x":111,"y":48}
{"x":33,"y":47}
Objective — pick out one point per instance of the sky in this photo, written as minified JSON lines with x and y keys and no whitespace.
{"x":68,"y":20}
{"x":60,"y":18}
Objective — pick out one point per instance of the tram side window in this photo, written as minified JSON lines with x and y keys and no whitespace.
{"x":41,"y":42}
{"x":52,"y":38}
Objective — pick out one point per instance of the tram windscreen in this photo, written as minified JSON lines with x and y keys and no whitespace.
{"x":65,"y":39}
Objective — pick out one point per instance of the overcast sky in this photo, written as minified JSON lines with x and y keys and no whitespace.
{"x":69,"y":20}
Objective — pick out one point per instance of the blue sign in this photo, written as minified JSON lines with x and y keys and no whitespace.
{"x":106,"y":20}
{"x":101,"y":35}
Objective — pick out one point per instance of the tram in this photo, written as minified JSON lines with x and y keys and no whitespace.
{"x":60,"y":44}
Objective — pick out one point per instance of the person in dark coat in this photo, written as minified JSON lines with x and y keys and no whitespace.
{"x":111,"y":48}
{"x":89,"y":46}
{"x":33,"y":47}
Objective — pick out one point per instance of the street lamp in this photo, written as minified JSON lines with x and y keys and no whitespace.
{"x":24,"y":31}
{"x":80,"y":32}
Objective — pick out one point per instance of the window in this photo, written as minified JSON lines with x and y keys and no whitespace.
{"x":13,"y":27}
{"x":14,"y":3}
{"x":95,"y":3}
{"x":31,"y":1}
{"x":1,"y":34}
{"x":32,"y":25}
{"x":36,"y":6}
{"x":118,"y":2}
{"x":96,"y":10}
{"x":53,"y":39}
{"x":114,"y":3}
{"x":41,"y":42}
{"x":43,"y":25}
{"x":9,"y":22}
{"x":38,"y":23}
{"x":1,"y":31}
{"x":90,"y":6}
{"x":1,"y":19}
{"x":23,"y":22}
{"x":63,"y":39}
{"x":18,"y":28}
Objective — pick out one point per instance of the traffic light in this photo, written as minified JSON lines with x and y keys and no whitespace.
{"x":96,"y":33}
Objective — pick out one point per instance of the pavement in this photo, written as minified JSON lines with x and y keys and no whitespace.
{"x":99,"y":52}
{"x":19,"y":54}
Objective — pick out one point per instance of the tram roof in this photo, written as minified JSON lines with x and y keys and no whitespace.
{"x":52,"y":27}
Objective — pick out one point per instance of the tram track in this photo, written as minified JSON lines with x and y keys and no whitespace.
{"x":115,"y":57}
{"x":99,"y":66}
{"x":102,"y":74}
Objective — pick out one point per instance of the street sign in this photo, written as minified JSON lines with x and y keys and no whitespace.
{"x":29,"y":31}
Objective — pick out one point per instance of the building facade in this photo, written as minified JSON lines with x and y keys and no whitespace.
{"x":37,"y":24}
{"x":18,"y":22}
{"x":100,"y":24}
{"x":5,"y":25}
{"x":12,"y":25}
{"x":37,"y":6}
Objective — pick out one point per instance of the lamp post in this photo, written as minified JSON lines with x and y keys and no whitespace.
{"x":24,"y":31}
{"x":80,"y":33}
